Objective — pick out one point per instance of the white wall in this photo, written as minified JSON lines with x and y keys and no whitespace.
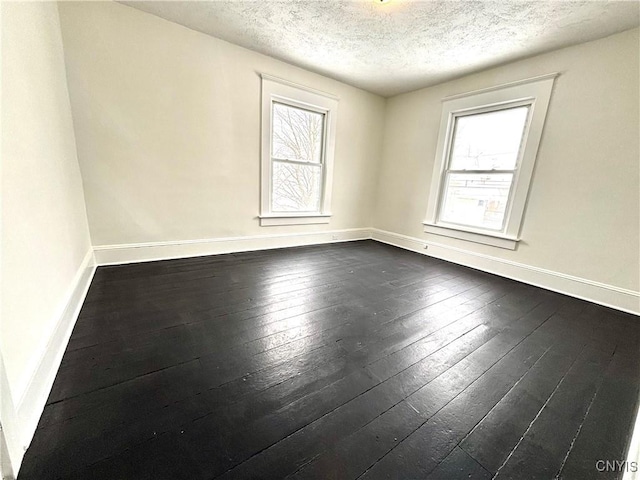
{"x":168,"y":130}
{"x":583,"y":212}
{"x":45,"y":236}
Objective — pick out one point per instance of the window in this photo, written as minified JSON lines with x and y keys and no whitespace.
{"x":298,"y":138}
{"x":484,"y":161}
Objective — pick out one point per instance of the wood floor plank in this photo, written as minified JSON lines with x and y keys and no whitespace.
{"x":543,"y":447}
{"x":458,"y":466}
{"x":377,"y":438}
{"x":492,"y":439}
{"x":604,"y":434}
{"x":305,"y":444}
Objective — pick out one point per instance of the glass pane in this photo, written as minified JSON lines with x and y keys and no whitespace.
{"x":477,"y":200}
{"x":487,"y":141}
{"x":296,"y":187}
{"x":297,"y":134}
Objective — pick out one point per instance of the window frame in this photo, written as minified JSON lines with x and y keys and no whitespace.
{"x":276,"y":90}
{"x":535,"y":93}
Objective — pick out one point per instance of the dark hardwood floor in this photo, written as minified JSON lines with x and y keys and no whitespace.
{"x":354,"y":360}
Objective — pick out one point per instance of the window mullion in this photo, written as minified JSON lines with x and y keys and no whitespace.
{"x":296,"y":162}
{"x":480,"y":172}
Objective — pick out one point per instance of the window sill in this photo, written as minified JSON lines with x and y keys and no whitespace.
{"x":304,"y":219}
{"x":495,"y":240}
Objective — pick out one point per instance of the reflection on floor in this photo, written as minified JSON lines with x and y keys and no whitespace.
{"x":343,"y":361}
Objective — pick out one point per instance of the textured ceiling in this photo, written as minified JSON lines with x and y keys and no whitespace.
{"x":401,"y":45}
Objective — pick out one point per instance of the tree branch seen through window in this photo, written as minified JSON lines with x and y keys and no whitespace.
{"x":297,"y":137}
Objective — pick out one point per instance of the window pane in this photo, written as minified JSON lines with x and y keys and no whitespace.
{"x":296,"y":187}
{"x":486,"y":141}
{"x":297,"y":134}
{"x":477,"y":200}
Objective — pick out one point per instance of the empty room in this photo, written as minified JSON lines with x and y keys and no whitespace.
{"x":367,"y":239}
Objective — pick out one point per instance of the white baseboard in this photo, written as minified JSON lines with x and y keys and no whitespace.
{"x":32,"y":397}
{"x":11,"y":451}
{"x":596,"y":292}
{"x":600,"y":293}
{"x":147,"y":252}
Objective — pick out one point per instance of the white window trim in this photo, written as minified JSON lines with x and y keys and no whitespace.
{"x":283,"y":91}
{"x":535,"y":92}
